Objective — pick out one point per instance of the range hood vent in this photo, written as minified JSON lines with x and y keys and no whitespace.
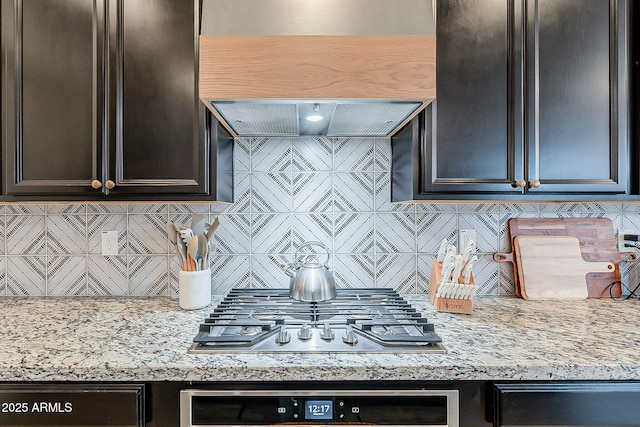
{"x":361,"y":67}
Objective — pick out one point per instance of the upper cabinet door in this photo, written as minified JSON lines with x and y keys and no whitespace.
{"x":472,"y":142}
{"x":159,"y":143}
{"x":577,"y":89}
{"x":52,"y":95}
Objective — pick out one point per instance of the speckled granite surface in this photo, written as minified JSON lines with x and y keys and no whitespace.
{"x":147,"y":339}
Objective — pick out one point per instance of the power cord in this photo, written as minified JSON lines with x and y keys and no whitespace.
{"x":626,"y":297}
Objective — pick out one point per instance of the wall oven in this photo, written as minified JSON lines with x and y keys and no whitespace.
{"x":200,"y":408}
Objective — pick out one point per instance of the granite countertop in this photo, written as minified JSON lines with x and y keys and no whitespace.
{"x":144,"y":339}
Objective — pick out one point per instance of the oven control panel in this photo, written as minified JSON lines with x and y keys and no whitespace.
{"x":364,"y":407}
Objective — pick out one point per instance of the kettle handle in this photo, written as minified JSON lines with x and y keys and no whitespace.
{"x":320,"y":244}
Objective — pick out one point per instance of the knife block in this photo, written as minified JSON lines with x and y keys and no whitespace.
{"x":448,"y":305}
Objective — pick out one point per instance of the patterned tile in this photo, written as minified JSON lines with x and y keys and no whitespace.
{"x":242,"y":155}
{"x":71,"y":208}
{"x":230,"y":272}
{"x":66,"y":275}
{"x":560,"y":210}
{"x":271,"y":192}
{"x":485,"y":275}
{"x":507,"y":213}
{"x":2,"y":236}
{"x":382,"y":154}
{"x":202,"y":208}
{"x":598,"y":208}
{"x":26,"y":276}
{"x":354,"y":271}
{"x":432,"y":228}
{"x":234,"y":234}
{"x":631,"y":221}
{"x":312,"y":154}
{"x":66,"y":234}
{"x":520,"y":210}
{"x":107,"y":275}
{"x":396,"y":271}
{"x":353,"y":154}
{"x":3,"y":276}
{"x":96,"y":224}
{"x":478,"y":208}
{"x":25,"y":234}
{"x":271,"y":155}
{"x":353,"y":233}
{"x":425,"y":264}
{"x":313,"y":227}
{"x":218,"y":207}
{"x":312,"y":192}
{"x":271,"y":234}
{"x":147,"y":208}
{"x":353,"y":192}
{"x":267,"y":271}
{"x":631,"y":207}
{"x":506,"y":284}
{"x":26,"y":209}
{"x":486,"y":226}
{"x":395,"y":232}
{"x":436,"y":207}
{"x":148,"y":275}
{"x":181,"y":220}
{"x":98,"y":208}
{"x":147,"y":234}
{"x":241,"y":194}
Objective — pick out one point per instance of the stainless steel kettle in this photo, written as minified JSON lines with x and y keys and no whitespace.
{"x":311,"y":281}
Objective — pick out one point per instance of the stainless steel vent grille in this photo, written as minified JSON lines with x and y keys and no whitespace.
{"x":260,"y":119}
{"x":369,"y":119}
{"x":290,"y":117}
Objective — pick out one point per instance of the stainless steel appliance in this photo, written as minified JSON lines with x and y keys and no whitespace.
{"x":356,"y":320}
{"x":319,"y":407}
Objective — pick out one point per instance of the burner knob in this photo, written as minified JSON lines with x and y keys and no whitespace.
{"x":304,"y":333}
{"x":349,"y":337}
{"x":327,"y":334}
{"x":283,"y":336}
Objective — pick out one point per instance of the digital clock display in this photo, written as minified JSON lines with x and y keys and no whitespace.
{"x":318,"y":410}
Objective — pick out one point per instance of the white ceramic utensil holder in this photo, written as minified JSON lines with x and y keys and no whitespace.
{"x":194,"y":289}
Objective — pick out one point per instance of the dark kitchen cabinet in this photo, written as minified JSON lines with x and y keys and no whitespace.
{"x":101,"y":102}
{"x":557,"y":403}
{"x":532,"y":103}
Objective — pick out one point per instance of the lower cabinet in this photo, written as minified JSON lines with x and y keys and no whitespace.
{"x":106,"y":106}
{"x":31,"y":405}
{"x":584,"y":404}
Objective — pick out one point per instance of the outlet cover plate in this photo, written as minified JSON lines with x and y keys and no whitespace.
{"x":110,"y":242}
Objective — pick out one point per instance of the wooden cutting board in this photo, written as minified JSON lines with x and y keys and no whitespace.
{"x":597,"y":243}
{"x":551,"y":267}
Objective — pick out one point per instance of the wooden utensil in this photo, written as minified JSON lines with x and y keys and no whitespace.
{"x":597,"y":243}
{"x":552,"y":267}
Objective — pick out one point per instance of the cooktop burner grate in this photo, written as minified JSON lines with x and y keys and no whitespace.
{"x":356,"y":320}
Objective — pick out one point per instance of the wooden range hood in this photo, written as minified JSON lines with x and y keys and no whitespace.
{"x":367,"y":67}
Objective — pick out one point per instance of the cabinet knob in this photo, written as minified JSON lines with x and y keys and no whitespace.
{"x":96,"y":184}
{"x":521,"y":183}
{"x":110,"y":184}
{"x":535,"y":183}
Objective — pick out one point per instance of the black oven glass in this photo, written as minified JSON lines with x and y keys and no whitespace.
{"x":380,"y":410}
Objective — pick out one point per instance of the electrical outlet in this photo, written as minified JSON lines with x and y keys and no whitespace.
{"x":621,"y":241}
{"x":465,"y":235}
{"x":110,"y":242}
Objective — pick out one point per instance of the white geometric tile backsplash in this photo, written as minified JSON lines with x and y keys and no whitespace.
{"x":288,"y":190}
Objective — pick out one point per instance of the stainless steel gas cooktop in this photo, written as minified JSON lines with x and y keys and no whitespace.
{"x":356,"y":320}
